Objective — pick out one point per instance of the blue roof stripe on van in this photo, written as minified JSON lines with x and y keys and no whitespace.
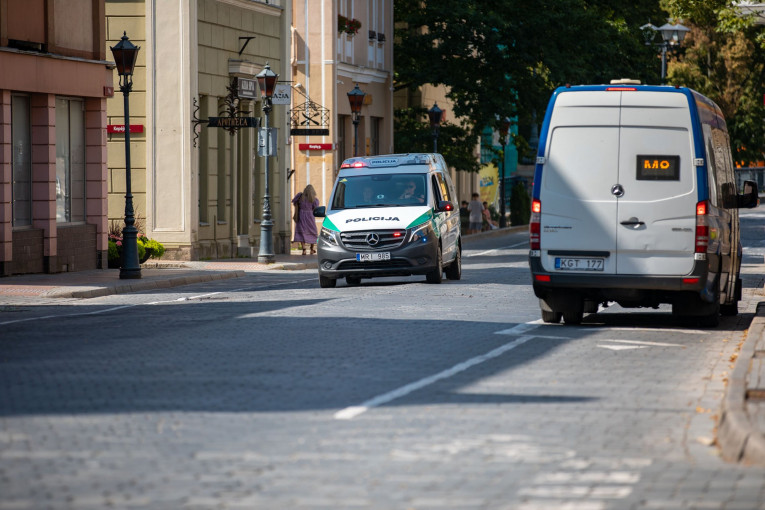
{"x":710,"y":116}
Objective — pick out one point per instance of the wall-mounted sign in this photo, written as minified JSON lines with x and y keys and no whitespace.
{"x":309,"y":119}
{"x":233,"y":122}
{"x":247,"y":88}
{"x":281,"y":94}
{"x":267,"y":138}
{"x":315,"y":146}
{"x":120,"y":128}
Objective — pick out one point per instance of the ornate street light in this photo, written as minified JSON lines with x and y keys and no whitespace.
{"x":504,"y":127}
{"x":267,"y":82}
{"x":356,"y":98}
{"x":671,"y":35}
{"x":435,"y":114}
{"x":125,"y":55}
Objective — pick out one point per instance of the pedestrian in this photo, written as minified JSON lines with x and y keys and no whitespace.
{"x":464,"y":215}
{"x":488,"y":223}
{"x":476,"y":214}
{"x":305,"y":223}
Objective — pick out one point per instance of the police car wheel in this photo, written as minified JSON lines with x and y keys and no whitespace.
{"x":352,"y":280}
{"x":454,"y":271}
{"x":327,"y":283}
{"x":436,"y":275}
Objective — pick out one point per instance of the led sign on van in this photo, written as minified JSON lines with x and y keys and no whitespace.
{"x":658,"y":168}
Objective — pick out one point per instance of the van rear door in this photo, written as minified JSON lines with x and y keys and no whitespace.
{"x":656,"y":215}
{"x":578,"y":221}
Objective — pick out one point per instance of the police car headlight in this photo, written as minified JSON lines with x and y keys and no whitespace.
{"x":421,"y":233}
{"x":329,"y":236}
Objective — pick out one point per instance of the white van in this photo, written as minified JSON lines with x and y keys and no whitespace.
{"x":634,"y":201}
{"x":392,"y":215}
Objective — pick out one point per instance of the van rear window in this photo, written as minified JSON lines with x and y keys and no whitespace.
{"x":658,"y":168}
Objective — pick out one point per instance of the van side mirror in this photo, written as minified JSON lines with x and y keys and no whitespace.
{"x":320,"y":212}
{"x":749,"y":198}
{"x":445,"y":206}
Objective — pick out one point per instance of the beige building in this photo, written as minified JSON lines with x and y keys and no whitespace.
{"x":199,"y":189}
{"x":337,"y":44}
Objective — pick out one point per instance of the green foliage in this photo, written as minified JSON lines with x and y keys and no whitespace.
{"x":154,"y":248}
{"x":520,"y":205}
{"x":724,"y":59}
{"x":502,"y":58}
{"x":413,"y":134}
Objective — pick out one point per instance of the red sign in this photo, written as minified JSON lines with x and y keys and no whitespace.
{"x":120,"y":128}
{"x":315,"y":146}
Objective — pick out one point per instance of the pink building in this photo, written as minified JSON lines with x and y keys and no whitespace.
{"x":54,"y":80}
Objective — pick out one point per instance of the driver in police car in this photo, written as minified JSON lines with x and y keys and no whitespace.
{"x":410,"y":193}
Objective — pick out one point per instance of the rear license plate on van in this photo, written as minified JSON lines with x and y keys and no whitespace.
{"x":373,"y":257}
{"x":579,"y":264}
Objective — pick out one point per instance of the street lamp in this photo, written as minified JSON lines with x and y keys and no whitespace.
{"x":671,"y":35}
{"x":435,"y":114}
{"x":125,"y":54}
{"x":267,"y":82}
{"x":356,"y":98}
{"x":504,"y":127}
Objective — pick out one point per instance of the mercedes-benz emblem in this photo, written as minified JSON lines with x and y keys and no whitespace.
{"x":372,"y":239}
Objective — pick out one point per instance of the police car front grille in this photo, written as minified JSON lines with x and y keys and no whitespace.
{"x":393,"y":264}
{"x":359,"y":240}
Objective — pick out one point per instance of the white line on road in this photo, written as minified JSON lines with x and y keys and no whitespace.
{"x":639,"y":342}
{"x":353,"y":411}
{"x":519,"y":329}
{"x":495,"y":249}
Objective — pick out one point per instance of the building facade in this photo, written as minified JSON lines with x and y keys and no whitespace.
{"x":54,"y":80}
{"x":199,"y":189}
{"x":337,"y":45}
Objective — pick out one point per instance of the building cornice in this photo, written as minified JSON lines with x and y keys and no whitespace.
{"x":361,"y":74}
{"x":251,"y":5}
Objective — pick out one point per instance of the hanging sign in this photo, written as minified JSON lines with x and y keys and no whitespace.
{"x":281,"y":94}
{"x":309,"y":119}
{"x":233,"y":122}
{"x":247,"y":88}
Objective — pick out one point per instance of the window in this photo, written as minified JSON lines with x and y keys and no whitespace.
{"x":375,"y":132}
{"x":21,"y":192}
{"x":70,"y":160}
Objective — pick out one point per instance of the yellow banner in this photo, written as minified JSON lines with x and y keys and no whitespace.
{"x":488,"y":183}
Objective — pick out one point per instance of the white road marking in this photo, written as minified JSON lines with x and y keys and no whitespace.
{"x":519,"y":329}
{"x":353,"y":411}
{"x":486,"y":252}
{"x":639,"y":342}
{"x":622,"y":347}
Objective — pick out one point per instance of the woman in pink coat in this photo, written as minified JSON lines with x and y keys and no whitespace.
{"x":305,"y":224}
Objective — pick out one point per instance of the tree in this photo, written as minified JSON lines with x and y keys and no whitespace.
{"x":724,"y":60}
{"x":502,"y":58}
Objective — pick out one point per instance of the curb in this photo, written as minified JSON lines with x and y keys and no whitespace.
{"x":140,"y":285}
{"x":739,"y":440}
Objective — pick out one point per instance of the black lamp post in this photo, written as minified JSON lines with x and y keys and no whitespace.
{"x":356,"y":98}
{"x":434,"y":114}
{"x":267,"y":82}
{"x":125,"y":54}
{"x":671,"y":35}
{"x":504,"y":127}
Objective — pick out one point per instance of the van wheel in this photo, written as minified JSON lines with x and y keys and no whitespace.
{"x":551,"y":317}
{"x":437,"y":274}
{"x":454,"y":271}
{"x":729,"y":310}
{"x":327,"y":283}
{"x":352,"y":280}
{"x":573,"y":317}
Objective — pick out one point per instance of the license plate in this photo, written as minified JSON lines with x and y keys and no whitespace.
{"x":373,"y":257}
{"x":579,"y":264}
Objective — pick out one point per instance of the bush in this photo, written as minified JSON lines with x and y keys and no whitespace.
{"x":520,"y":205}
{"x":147,"y":248}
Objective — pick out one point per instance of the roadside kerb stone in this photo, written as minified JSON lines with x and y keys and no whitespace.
{"x":739,"y":439}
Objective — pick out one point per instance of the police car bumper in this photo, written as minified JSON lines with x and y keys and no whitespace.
{"x":412,"y":258}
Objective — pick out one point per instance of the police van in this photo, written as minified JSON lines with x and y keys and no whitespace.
{"x":634,"y":201}
{"x":392,"y":215}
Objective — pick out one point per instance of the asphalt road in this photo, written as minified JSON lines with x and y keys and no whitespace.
{"x":268,"y":392}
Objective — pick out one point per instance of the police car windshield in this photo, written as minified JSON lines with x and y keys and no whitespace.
{"x":381,"y":190}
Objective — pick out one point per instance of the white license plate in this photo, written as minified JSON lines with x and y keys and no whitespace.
{"x":579,"y":264}
{"x":373,"y":257}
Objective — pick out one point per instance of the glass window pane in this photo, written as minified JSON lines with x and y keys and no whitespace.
{"x":62,"y":160}
{"x":77,"y":160}
{"x":21,"y":161}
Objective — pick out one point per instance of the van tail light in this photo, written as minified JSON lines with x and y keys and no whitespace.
{"x":702,"y":227}
{"x":534,"y":224}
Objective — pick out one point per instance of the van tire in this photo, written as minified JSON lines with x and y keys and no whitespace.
{"x":437,"y":274}
{"x":573,"y":317}
{"x":454,"y":271}
{"x":327,"y":283}
{"x":551,"y":317}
